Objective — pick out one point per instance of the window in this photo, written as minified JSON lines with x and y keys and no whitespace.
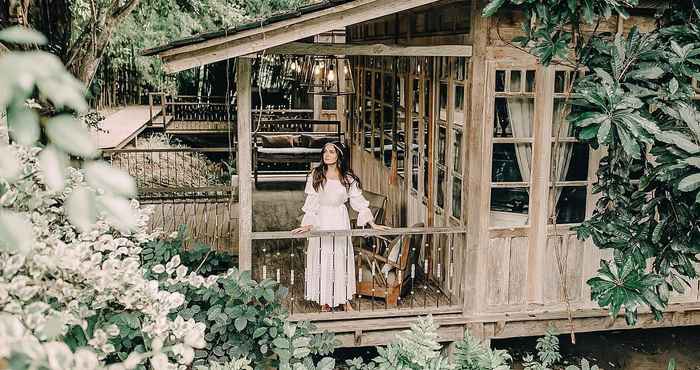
{"x":329,"y":103}
{"x":511,"y":164}
{"x":569,"y":160}
{"x":400,"y":123}
{"x":457,"y":173}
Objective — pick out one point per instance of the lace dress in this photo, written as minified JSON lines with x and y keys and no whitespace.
{"x":330,"y":267}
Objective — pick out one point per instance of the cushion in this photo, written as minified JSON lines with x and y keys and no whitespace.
{"x":310,"y":141}
{"x":278,"y":141}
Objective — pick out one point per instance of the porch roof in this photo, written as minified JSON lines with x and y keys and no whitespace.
{"x":279,"y":29}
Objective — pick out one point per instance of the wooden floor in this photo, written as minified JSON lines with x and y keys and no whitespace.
{"x":122,"y":126}
{"x":422,"y":295}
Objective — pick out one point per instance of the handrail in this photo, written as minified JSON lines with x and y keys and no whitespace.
{"x":277,"y":235}
{"x":170,"y":150}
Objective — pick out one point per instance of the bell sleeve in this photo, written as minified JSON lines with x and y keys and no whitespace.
{"x":311,"y":205}
{"x":360,"y":204}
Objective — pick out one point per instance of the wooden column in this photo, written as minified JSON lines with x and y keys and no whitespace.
{"x":539,"y":185}
{"x":244,"y":161}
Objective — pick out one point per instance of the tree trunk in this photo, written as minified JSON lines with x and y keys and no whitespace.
{"x":85,"y":55}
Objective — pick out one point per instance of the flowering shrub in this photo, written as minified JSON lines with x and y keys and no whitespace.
{"x":87,"y":288}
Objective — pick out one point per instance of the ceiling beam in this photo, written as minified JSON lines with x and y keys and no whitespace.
{"x":324,"y":49}
{"x":283,"y":32}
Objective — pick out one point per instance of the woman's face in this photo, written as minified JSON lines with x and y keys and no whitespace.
{"x":330,"y":154}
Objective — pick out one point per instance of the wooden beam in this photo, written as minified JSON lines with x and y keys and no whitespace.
{"x":283,"y":32}
{"x":301,"y":48}
{"x":244,"y":164}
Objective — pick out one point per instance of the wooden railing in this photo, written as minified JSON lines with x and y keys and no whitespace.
{"x":195,"y":187}
{"x":420,"y":276}
{"x":193,"y":108}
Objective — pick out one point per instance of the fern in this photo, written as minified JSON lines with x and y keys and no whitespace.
{"x":470,"y":354}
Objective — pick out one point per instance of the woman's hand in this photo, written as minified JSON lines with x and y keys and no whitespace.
{"x":301,"y":230}
{"x":379,"y":227}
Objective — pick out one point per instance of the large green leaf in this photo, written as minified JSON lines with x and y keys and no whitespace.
{"x":16,"y":234}
{"x":690,"y":183}
{"x":23,"y":124}
{"x":492,"y":7}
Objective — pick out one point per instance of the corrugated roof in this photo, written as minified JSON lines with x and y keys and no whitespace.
{"x":277,"y":17}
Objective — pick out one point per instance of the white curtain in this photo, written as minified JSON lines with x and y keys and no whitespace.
{"x":521,"y":112}
{"x":562,"y":153}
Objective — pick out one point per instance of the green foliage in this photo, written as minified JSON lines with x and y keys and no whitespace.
{"x":547,"y":352}
{"x":28,"y":78}
{"x":243,"y":318}
{"x":471,"y":354}
{"x":636,"y":103}
{"x":200,"y":258}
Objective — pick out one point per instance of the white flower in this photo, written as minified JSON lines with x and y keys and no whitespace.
{"x":158,"y":269}
{"x":133,"y":360}
{"x":160,"y":362}
{"x":157,"y":344}
{"x":181,"y":272}
{"x":85,"y":359}
{"x":195,"y":338}
{"x":59,"y":355}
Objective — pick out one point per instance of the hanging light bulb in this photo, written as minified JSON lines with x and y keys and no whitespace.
{"x":324,"y":80}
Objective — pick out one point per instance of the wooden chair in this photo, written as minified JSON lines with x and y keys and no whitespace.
{"x":392,"y":271}
{"x":377,"y":204}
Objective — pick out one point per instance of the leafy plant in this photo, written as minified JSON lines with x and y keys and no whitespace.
{"x":636,"y":103}
{"x":548,"y":353}
{"x":471,"y":354}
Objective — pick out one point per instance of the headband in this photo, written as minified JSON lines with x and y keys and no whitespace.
{"x":338,"y":149}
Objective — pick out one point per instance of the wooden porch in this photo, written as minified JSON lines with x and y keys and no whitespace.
{"x":433,"y":126}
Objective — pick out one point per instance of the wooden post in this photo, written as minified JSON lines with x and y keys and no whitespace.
{"x":476,"y":177}
{"x":539,"y":188}
{"x":245,"y":187}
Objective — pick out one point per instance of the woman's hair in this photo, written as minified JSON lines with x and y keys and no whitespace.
{"x":347,"y":177}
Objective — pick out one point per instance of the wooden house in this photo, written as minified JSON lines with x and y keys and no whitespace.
{"x":464,"y":134}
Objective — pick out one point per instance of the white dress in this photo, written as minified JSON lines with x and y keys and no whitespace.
{"x":330,"y":267}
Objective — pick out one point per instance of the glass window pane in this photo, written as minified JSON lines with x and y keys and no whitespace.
{"x":509,"y":207}
{"x":500,"y":81}
{"x":457,"y":151}
{"x":570,"y":161}
{"x":442,"y":144}
{"x":378,"y":85}
{"x":426,"y":183}
{"x":511,"y":163}
{"x":457,"y":197}
{"x":514,"y":117}
{"x":530,"y":81}
{"x":426,"y":98}
{"x":329,"y":103}
{"x":559,"y":82}
{"x":443,"y":101}
{"x":377,"y":130}
{"x":388,"y":132}
{"x":400,"y":142}
{"x":400,"y":92}
{"x":368,"y":84}
{"x":416,"y":95}
{"x":388,"y":88}
{"x":571,"y":204}
{"x":560,"y":123}
{"x":515,"y":81}
{"x":440,"y":193}
{"x":459,"y":105}
{"x":415,"y":155}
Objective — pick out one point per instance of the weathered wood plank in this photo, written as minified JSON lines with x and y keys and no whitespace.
{"x":279,"y":33}
{"x":300,"y":48}
{"x":517,"y":293}
{"x":498,"y":270}
{"x":244,"y":163}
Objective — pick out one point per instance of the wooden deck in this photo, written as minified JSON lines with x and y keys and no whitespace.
{"x":124,"y":125}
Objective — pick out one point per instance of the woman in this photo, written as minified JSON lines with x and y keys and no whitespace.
{"x":330,"y":267}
